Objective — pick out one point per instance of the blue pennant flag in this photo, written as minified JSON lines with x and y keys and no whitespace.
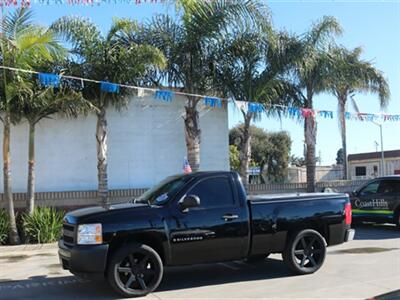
{"x":47,"y":79}
{"x":294,"y":112}
{"x":164,"y":95}
{"x":347,"y":115}
{"x":212,"y":102}
{"x":255,"y":107}
{"x":109,"y":87}
{"x":326,"y":114}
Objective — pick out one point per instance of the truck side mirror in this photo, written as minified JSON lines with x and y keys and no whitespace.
{"x":189,"y":201}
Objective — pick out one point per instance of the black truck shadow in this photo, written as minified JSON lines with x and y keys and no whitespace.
{"x":369,"y":231}
{"x":176,"y":278}
{"x":221,"y":273}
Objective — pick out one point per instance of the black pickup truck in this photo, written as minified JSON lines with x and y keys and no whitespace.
{"x":200,"y":218}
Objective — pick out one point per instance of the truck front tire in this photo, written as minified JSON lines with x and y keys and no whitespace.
{"x":305,"y":252}
{"x":135,"y":270}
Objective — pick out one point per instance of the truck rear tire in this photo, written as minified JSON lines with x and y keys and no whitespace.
{"x":135,"y":270}
{"x":305,"y":252}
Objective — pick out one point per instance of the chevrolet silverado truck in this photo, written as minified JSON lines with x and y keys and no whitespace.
{"x":203,"y":217}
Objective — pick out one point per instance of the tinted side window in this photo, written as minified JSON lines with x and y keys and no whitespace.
{"x":371,"y":188}
{"x":389,"y":186}
{"x":213,"y":192}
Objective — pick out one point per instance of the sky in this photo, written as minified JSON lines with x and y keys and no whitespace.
{"x":373,"y":25}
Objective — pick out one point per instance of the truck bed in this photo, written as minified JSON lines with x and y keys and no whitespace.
{"x":293,"y":197}
{"x":275,"y":215}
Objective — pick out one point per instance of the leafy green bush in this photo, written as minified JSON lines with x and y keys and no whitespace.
{"x":43,"y":226}
{"x":4,"y":226}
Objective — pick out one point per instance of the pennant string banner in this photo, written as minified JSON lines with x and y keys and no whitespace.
{"x":109,"y":87}
{"x":47,"y":79}
{"x":256,"y":108}
{"x":164,"y":95}
{"x":212,"y":102}
{"x":27,"y":3}
{"x":54,"y":80}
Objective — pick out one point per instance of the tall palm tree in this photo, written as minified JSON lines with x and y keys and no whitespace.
{"x":311,"y":74}
{"x":106,"y":58}
{"x":37,"y":104}
{"x":350,"y":75}
{"x":251,"y":66}
{"x":186,"y":44}
{"x":21,"y":44}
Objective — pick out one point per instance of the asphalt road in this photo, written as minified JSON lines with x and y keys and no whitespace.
{"x":363,"y":268}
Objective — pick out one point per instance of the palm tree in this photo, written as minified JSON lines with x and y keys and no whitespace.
{"x":311,"y":74}
{"x":251,"y":66}
{"x":106,"y":58}
{"x":186,"y":44}
{"x":21,"y":44}
{"x":43,"y":102}
{"x":349,"y":75}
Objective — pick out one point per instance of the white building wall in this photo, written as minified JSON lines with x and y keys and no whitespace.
{"x":391,"y":166}
{"x":146,"y":144}
{"x":322,"y":173}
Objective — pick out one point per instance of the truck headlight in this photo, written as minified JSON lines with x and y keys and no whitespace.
{"x":90,"y":234}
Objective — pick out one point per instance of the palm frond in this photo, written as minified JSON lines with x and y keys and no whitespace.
{"x":85,"y":37}
{"x":17,"y":21}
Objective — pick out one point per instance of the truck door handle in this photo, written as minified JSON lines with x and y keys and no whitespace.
{"x":230,"y":217}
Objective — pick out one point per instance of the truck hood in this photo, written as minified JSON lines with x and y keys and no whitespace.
{"x":73,"y":217}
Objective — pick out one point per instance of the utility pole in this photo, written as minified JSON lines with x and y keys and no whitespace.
{"x":383,"y":171}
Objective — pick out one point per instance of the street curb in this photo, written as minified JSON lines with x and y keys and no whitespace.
{"x":27,"y":247}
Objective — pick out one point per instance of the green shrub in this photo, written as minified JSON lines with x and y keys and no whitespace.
{"x":4,"y":226}
{"x":43,"y":226}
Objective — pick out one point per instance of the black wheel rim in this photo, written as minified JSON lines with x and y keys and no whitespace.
{"x":309,"y":252}
{"x":137,"y":273}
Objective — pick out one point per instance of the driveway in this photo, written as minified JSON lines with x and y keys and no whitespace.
{"x":366,"y":267}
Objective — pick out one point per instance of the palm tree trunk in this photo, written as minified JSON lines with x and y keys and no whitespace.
{"x":310,"y":136}
{"x":30,"y":201}
{"x":8,"y":196}
{"x":101,"y":143}
{"x":245,"y":150}
{"x":192,"y":134}
{"x":342,"y":121}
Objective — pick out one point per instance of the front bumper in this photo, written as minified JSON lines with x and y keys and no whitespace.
{"x":349,"y":235}
{"x":81,"y":260}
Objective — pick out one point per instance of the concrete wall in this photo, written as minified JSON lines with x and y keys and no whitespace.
{"x":146,"y":143}
{"x":322,"y":173}
{"x":74,"y":199}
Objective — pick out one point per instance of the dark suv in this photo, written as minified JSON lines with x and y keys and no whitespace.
{"x":378,"y":201}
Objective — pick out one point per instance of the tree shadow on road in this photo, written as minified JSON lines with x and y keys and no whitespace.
{"x":175,"y":278}
{"x":376,"y":232}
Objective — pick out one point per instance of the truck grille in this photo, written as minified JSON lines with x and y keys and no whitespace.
{"x":69,"y":234}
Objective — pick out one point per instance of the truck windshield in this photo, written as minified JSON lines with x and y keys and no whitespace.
{"x":162,"y":192}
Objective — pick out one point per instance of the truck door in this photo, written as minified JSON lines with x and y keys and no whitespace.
{"x":373,"y":202}
{"x":217,"y":230}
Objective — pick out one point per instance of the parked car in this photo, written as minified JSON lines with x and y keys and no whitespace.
{"x":202,"y":217}
{"x":378,"y":201}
